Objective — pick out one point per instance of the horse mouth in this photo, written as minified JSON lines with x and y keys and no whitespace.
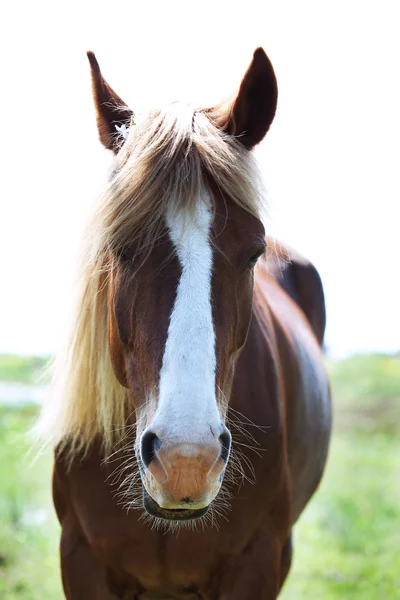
{"x":169,"y":514}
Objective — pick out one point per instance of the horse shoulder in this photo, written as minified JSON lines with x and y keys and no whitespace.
{"x":304,"y":387}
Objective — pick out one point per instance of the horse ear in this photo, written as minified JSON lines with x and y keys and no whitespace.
{"x":254,"y":108}
{"x":111,"y":111}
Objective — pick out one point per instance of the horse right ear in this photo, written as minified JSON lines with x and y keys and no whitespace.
{"x":112,"y":114}
{"x":253,"y":110}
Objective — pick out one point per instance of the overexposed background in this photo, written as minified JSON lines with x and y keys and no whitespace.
{"x":330,"y":161}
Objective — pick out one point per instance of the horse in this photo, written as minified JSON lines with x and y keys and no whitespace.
{"x":190,"y":414}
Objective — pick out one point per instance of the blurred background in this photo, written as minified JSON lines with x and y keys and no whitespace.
{"x":330,"y":165}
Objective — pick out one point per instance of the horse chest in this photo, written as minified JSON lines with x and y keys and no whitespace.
{"x":180,"y":564}
{"x":158,"y":564}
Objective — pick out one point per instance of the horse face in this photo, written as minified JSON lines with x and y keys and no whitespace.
{"x":177,"y":324}
{"x":179,"y":317}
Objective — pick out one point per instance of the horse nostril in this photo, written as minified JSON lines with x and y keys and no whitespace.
{"x":225,"y":438}
{"x":150,"y":443}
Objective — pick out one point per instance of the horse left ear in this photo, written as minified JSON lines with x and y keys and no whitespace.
{"x":111,"y":110}
{"x":254,"y":108}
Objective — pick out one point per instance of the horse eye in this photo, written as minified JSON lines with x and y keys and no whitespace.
{"x":253,"y":259}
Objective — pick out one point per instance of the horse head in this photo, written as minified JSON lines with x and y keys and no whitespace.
{"x":184,"y":233}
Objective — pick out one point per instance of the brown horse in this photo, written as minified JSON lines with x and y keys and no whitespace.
{"x":192,"y":411}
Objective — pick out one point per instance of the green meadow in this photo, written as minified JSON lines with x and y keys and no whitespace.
{"x":347,"y":543}
{"x":22,"y":369}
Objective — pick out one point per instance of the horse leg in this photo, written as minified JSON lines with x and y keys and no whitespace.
{"x":286,"y":561}
{"x":83,"y":577}
{"x":255,"y":574}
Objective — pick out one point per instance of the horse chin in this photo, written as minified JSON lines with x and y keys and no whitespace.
{"x":176,"y":514}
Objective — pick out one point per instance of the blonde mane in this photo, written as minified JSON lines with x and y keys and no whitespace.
{"x":170,"y":156}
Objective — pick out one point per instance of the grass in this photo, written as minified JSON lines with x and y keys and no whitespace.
{"x":29,"y":567}
{"x":346,"y":543}
{"x":22,"y":369}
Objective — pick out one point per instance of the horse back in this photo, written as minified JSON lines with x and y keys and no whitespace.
{"x":301,"y":281}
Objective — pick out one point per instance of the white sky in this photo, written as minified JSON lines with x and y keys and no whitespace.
{"x":330,"y":162}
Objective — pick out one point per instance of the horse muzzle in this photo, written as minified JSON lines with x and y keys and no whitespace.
{"x":182,"y":479}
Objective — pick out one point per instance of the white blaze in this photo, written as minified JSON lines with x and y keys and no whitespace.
{"x":187,"y":409}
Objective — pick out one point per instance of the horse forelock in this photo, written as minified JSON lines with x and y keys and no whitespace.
{"x":170,"y":161}
{"x":170,"y":156}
